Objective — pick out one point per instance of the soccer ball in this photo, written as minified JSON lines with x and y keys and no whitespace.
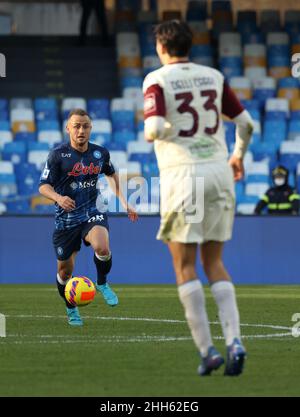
{"x":80,"y":291}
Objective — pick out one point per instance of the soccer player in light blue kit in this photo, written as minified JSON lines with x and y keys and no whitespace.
{"x":70,"y":180}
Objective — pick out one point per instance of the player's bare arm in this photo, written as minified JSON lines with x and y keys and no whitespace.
{"x":114,"y":183}
{"x":64,"y":202}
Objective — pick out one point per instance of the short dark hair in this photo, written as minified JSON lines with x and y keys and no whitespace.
{"x":176,"y":36}
{"x":78,"y":112}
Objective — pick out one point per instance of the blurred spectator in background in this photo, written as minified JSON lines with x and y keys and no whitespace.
{"x":87,"y":7}
{"x":282,"y":198}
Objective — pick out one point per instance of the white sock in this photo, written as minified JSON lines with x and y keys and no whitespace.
{"x":61,"y":281}
{"x":191,"y":295}
{"x":224,"y":295}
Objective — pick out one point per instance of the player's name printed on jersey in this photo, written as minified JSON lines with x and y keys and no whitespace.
{"x":80,"y":169}
{"x":192,"y":82}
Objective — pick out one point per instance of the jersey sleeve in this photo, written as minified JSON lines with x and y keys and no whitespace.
{"x":231,"y":105}
{"x":51,"y":172}
{"x":154,"y":100}
{"x":107,"y":167}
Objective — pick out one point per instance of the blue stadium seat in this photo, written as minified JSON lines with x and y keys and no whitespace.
{"x":99,"y":108}
{"x":229,"y":128}
{"x":255,"y":114}
{"x":274,"y":131}
{"x":24,"y":168}
{"x":249,"y":199}
{"x":123,"y":120}
{"x":4,"y":114}
{"x":246,"y":21}
{"x":100,"y":138}
{"x":288,"y":82}
{"x":277,"y":58}
{"x":123,"y":136}
{"x":131,"y":82}
{"x":8,"y":186}
{"x":275,"y":116}
{"x":4,"y":125}
{"x":196,"y":11}
{"x":116,"y":146}
{"x":253,"y":37}
{"x":292,"y":179}
{"x":142,"y":157}
{"x":140,"y":126}
{"x":258,"y":178}
{"x":239,"y":191}
{"x":263,"y":150}
{"x":290,"y":160}
{"x":44,"y":209}
{"x":18,"y":207}
{"x":38,"y":146}
{"x":150,"y":169}
{"x":3,"y":104}
{"x":50,"y":114}
{"x":25,"y":137}
{"x":252,"y":104}
{"x":48,"y":125}
{"x":294,"y":126}
{"x":15,"y":152}
{"x":295,"y":114}
{"x":45,"y":103}
{"x":28,"y":183}
{"x":256,"y":139}
{"x":202,"y":54}
{"x":262,"y":94}
{"x":231,"y":66}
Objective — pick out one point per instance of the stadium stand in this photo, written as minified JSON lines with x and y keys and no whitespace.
{"x":253,"y":51}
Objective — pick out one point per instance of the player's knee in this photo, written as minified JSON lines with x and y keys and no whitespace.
{"x":102,"y":251}
{"x":212,"y":268}
{"x":65,"y":273}
{"x":185,"y":271}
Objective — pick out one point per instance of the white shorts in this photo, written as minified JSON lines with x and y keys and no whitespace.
{"x":197,"y":211}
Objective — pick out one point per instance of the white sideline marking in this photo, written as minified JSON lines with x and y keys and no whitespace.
{"x":132,"y":339}
{"x":50,"y":338}
{"x":25,"y":316}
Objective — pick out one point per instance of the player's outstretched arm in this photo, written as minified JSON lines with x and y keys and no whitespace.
{"x":63,"y":201}
{"x":114,"y":183}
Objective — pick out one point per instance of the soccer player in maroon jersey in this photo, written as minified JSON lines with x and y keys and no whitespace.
{"x":183,"y":107}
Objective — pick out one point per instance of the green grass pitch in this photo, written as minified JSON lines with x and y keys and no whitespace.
{"x":143,"y":346}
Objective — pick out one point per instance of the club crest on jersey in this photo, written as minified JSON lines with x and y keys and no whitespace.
{"x":97,"y":154}
{"x":80,"y":169}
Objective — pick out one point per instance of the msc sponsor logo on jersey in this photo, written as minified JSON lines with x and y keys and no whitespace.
{"x":83,"y":184}
{"x":97,"y":218}
{"x":80,"y":169}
